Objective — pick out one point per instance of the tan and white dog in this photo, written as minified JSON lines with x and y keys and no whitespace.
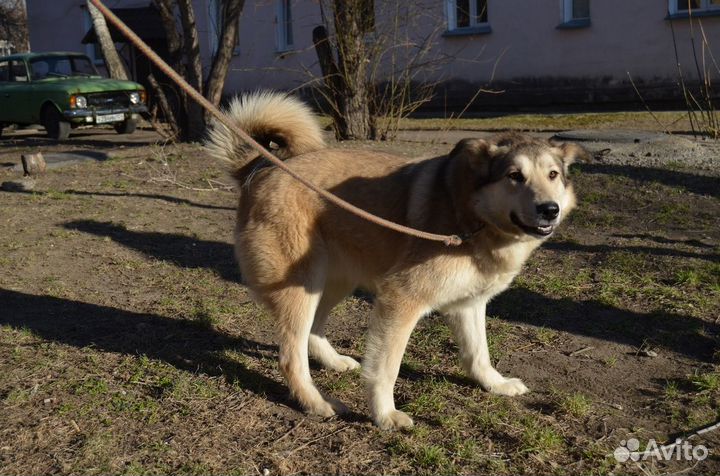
{"x":301,"y":256}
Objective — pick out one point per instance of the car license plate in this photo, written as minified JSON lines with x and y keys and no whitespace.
{"x":110,"y":118}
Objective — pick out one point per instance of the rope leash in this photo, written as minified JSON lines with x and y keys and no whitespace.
{"x":449,"y":240}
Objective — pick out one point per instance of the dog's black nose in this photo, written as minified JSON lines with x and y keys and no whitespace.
{"x":548,"y":210}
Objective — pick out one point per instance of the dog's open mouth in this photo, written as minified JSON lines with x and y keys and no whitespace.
{"x":545,"y":230}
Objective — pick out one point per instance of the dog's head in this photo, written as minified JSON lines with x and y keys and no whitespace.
{"x":515,"y":184}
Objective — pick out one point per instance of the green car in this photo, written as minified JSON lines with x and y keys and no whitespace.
{"x":62,"y":91}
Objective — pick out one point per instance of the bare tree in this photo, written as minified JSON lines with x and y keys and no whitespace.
{"x":13,"y":25}
{"x":114,"y":64}
{"x":178,"y":18}
{"x":375,"y":65}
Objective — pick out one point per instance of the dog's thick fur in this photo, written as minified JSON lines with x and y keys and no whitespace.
{"x":301,"y":255}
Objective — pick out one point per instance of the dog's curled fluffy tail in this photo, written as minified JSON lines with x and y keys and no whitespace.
{"x":283,"y":124}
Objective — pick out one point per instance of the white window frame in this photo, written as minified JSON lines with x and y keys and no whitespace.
{"x":705,"y":6}
{"x":451,"y":12}
{"x":281,"y":20}
{"x":567,"y":6}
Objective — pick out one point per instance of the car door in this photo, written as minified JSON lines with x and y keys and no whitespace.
{"x":17,"y":93}
{"x":4,"y":75}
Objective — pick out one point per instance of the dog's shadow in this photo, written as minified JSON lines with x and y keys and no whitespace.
{"x":180,"y":250}
{"x":184,"y":344}
{"x":682,"y":334}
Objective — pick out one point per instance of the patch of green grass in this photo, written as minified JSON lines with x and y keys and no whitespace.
{"x":207,"y":313}
{"x":613,"y":286}
{"x":342,"y":382}
{"x":141,"y":408}
{"x":673,"y":213}
{"x":545,"y":122}
{"x":672,"y":392}
{"x":627,"y":262}
{"x":701,"y":275}
{"x":594,"y":196}
{"x":706,"y":382}
{"x":432,"y":398}
{"x":57,"y":195}
{"x":498,"y":332}
{"x":546,"y":336}
{"x":539,"y":438}
{"x":611,"y":361}
{"x":431,"y":456}
{"x":91,"y":386}
{"x":17,"y":396}
{"x":576,"y":404}
{"x":116,"y":184}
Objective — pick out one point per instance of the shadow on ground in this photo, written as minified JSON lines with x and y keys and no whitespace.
{"x":183,"y":344}
{"x":675,"y":332}
{"x":569,"y":246}
{"x":99,"y":139}
{"x":682,"y":334}
{"x":699,"y":184}
{"x":180,"y":250}
{"x":153,"y":196}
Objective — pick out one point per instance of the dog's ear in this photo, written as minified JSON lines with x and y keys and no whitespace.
{"x":570,"y":152}
{"x":477,"y":153}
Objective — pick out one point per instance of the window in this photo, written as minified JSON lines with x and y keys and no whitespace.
{"x":576,"y":10}
{"x":61,"y":66}
{"x":467,"y":15}
{"x":18,"y":72}
{"x":4,"y":70}
{"x":688,"y":6}
{"x":283,"y":20}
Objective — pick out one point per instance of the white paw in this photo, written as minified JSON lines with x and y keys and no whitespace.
{"x":509,"y":387}
{"x":327,"y":408}
{"x":343,"y":363}
{"x":394,"y":420}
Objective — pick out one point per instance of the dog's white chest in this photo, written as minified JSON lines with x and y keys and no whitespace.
{"x":468,"y":280}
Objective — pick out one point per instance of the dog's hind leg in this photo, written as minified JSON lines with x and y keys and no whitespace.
{"x":319,"y":347}
{"x":468,"y":325}
{"x":295,"y":308}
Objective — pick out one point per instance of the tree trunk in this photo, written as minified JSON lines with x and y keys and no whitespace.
{"x":184,"y":50}
{"x":350,"y":30}
{"x":226,"y":46}
{"x":166,"y":8}
{"x":193,"y":69}
{"x":165,"y":108}
{"x":112,"y":58}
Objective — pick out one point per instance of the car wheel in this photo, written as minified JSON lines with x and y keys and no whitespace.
{"x":55,"y":126}
{"x":126,"y":127}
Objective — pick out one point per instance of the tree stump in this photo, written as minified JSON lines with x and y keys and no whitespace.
{"x":33,"y":164}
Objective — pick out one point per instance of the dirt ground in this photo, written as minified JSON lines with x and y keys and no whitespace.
{"x":128,"y":344}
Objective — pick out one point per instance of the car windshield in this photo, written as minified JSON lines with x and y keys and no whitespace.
{"x":61,"y":67}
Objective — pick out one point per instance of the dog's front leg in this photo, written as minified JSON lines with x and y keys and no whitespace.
{"x":468,"y":325}
{"x":388,"y":334}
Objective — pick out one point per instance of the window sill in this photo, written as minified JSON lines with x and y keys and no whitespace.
{"x":468,"y":31}
{"x":700,"y":13}
{"x":284,"y":53}
{"x":574,"y":24}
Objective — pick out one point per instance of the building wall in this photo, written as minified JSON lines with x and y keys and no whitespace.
{"x":525,"y":54}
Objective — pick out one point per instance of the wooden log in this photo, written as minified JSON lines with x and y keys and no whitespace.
{"x":33,"y":164}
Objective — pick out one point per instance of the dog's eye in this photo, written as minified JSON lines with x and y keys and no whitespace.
{"x":516,"y":177}
{"x":553,"y":175}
